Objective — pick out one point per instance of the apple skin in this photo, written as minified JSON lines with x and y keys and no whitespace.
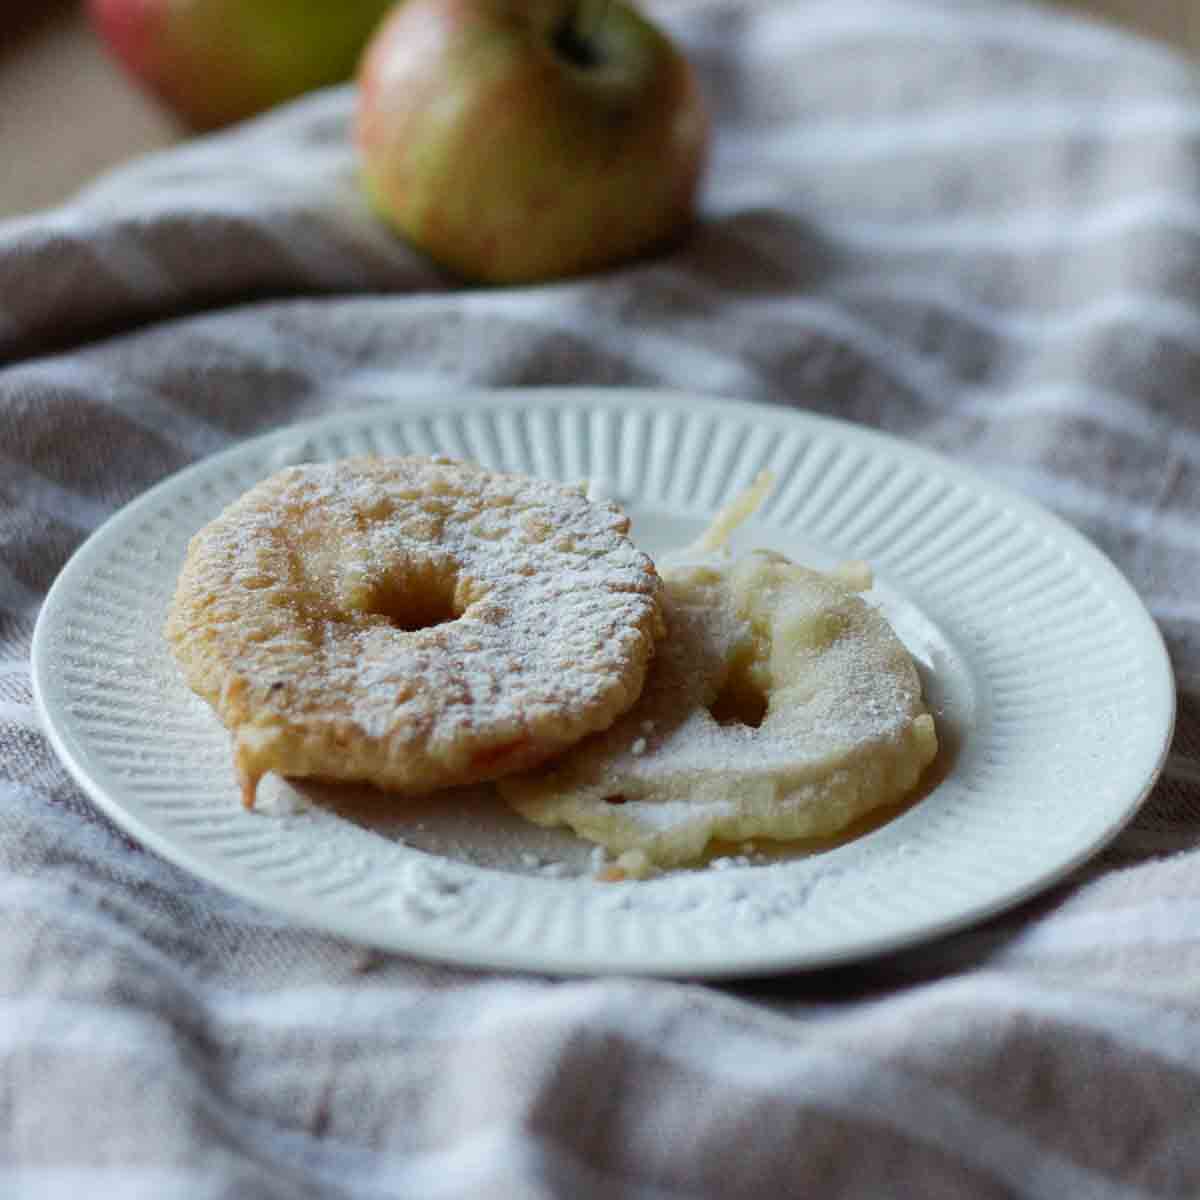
{"x":217,"y":61}
{"x":489,"y":147}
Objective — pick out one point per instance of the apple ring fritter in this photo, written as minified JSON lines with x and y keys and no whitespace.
{"x":413,"y":623}
{"x":781,"y":706}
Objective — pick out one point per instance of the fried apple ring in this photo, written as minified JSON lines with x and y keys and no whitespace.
{"x":413,"y":623}
{"x":782,"y":706}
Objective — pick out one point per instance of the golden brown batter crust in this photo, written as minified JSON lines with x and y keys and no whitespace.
{"x":414,"y":623}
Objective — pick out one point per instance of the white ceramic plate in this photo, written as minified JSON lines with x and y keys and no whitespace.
{"x":1051,"y":686}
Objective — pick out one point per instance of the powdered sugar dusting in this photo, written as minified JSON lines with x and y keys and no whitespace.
{"x":842,"y":728}
{"x":416,"y":622}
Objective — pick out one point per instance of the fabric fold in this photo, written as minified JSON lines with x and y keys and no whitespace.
{"x":973,"y":226}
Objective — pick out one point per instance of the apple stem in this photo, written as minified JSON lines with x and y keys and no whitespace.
{"x":577,"y":38}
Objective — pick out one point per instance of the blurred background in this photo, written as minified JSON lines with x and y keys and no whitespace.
{"x":67,"y":110}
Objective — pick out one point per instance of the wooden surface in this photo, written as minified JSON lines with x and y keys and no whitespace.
{"x":1173,"y":21}
{"x":67,"y":111}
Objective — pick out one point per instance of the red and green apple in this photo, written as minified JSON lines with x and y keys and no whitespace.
{"x":520,"y":140}
{"x":217,"y":61}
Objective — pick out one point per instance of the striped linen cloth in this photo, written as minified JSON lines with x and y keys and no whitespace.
{"x":975,"y":225}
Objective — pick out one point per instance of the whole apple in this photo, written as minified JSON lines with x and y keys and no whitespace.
{"x":520,"y":140}
{"x":217,"y":61}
